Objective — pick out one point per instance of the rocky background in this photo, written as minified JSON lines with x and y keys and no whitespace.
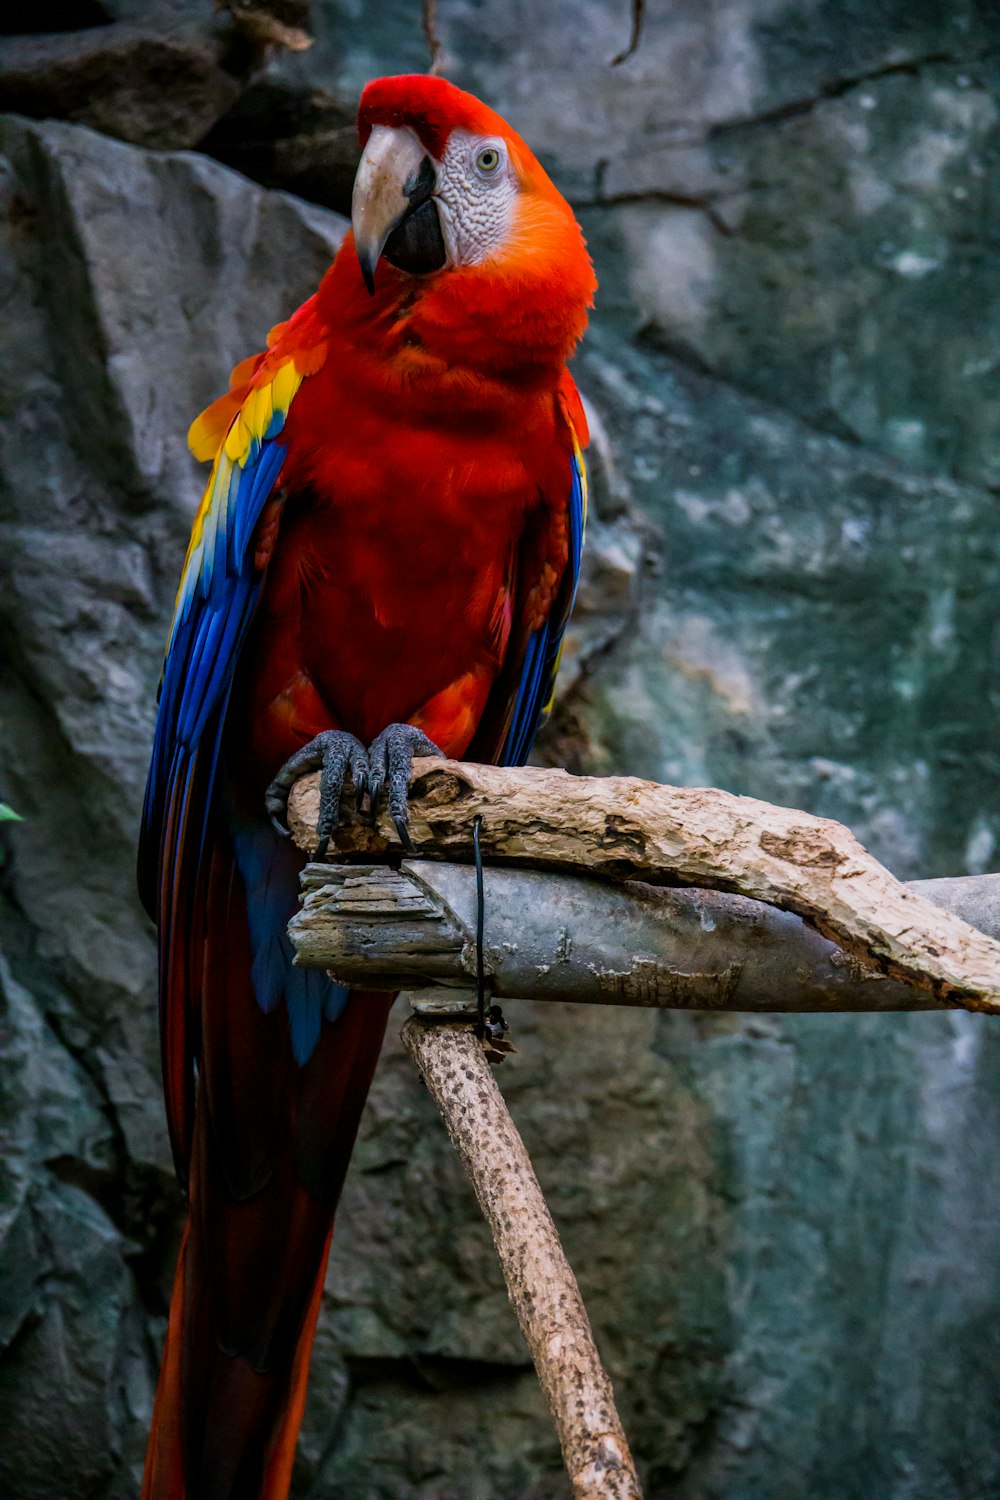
{"x":785,"y":1228}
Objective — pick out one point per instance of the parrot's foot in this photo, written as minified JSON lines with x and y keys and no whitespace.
{"x":390,"y":762}
{"x":331,"y":753}
{"x":384,"y":767}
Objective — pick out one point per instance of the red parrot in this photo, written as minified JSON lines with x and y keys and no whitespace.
{"x":383,"y":563}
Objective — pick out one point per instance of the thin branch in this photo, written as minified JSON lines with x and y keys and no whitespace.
{"x":638,"y":17}
{"x":621,"y":828}
{"x":540,"y":1282}
{"x":432,"y":38}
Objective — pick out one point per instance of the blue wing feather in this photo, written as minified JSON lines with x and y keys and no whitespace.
{"x":215,"y":605}
{"x":541,"y":659}
{"x":216,"y":602}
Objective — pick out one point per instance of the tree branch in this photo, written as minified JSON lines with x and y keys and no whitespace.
{"x":622,"y":828}
{"x":432,"y":37}
{"x":562,"y":937}
{"x":540,"y":1282}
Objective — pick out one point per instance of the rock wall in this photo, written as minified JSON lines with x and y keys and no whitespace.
{"x":783,"y":1227}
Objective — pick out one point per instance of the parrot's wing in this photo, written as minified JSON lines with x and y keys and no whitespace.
{"x":524,"y":700}
{"x":218,"y":591}
{"x":218,"y":594}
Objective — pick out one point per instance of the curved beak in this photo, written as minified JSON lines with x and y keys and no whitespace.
{"x":395,"y":177}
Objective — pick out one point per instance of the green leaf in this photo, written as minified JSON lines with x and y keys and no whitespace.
{"x":8,"y":815}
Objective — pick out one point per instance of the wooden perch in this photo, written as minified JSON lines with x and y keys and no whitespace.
{"x":563,"y":937}
{"x":554,"y":932}
{"x":622,"y":828}
{"x":540,"y":1282}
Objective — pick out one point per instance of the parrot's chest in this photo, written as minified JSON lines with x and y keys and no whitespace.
{"x":384,"y":589}
{"x":391,"y":543}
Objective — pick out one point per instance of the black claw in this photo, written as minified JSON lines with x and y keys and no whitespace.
{"x":390,"y":757}
{"x":276,"y":805}
{"x":403,"y":829}
{"x":333,"y":753}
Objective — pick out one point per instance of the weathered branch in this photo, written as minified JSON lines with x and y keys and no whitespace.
{"x":553,"y":933}
{"x":620,"y":828}
{"x":540,"y":1282}
{"x":551,"y":936}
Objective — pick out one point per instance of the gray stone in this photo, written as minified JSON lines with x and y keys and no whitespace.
{"x":815,"y":631}
{"x":163,"y":89}
{"x":130,"y":281}
{"x":104,"y":364}
{"x":300,"y":139}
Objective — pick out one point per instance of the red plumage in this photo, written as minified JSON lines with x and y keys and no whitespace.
{"x":417,"y":537}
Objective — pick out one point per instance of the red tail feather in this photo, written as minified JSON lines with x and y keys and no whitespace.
{"x":247,"y":1292}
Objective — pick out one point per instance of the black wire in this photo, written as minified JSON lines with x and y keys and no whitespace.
{"x":477,"y":823}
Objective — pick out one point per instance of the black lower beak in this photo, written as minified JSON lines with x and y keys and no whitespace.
{"x":417,"y":245}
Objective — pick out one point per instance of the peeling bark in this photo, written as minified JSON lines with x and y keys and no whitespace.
{"x":623,"y":828}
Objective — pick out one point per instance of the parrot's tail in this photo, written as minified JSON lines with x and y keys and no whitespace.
{"x":250,"y":1273}
{"x":261,"y":1419}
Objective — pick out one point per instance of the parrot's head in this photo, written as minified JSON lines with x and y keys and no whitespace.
{"x":446,"y":191}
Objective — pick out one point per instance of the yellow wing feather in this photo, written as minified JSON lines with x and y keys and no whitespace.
{"x":250,"y":421}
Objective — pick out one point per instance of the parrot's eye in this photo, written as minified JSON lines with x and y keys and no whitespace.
{"x":488,"y":160}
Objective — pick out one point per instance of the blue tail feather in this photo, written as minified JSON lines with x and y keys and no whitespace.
{"x":269,"y":869}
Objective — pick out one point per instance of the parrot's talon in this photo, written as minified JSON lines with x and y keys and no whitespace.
{"x":333,"y":753}
{"x":276,"y":804}
{"x":374,"y":797}
{"x":390,"y":757}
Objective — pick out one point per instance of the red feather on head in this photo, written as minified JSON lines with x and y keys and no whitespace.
{"x":432,"y":107}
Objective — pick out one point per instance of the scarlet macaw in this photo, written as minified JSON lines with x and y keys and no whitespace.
{"x":384,"y":561}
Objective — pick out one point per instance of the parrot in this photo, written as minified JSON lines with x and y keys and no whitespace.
{"x":382,"y":565}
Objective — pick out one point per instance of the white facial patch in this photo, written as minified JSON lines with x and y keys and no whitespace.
{"x":476,"y":193}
